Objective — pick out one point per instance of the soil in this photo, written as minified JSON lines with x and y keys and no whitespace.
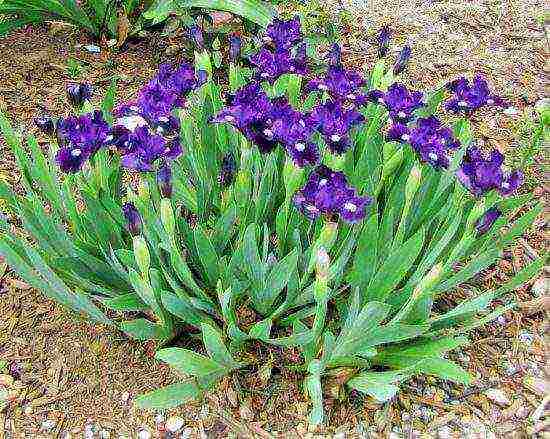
{"x":83,"y":377}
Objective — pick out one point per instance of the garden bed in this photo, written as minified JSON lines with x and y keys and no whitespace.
{"x":78,"y":375}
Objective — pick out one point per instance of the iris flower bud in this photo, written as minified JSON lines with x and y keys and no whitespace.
{"x":413,"y":182}
{"x":78,"y":93}
{"x":402,"y":60}
{"x":227,"y":171}
{"x":335,"y":55}
{"x":197,"y":36}
{"x":235,"y":45}
{"x":164,"y":180}
{"x":133,"y":218}
{"x":142,"y":255}
{"x":202,"y":77}
{"x":167,"y":216}
{"x":383,"y":41}
{"x":45,"y":124}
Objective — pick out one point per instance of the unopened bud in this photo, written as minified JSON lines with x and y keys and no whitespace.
{"x":428,"y":281}
{"x":323,"y":263}
{"x":141,"y":254}
{"x":133,"y":218}
{"x":143,"y":190}
{"x":167,"y":216}
{"x":413,"y":182}
{"x":475,"y":214}
{"x":293,"y":177}
{"x":393,"y":163}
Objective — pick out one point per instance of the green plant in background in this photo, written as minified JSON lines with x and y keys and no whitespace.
{"x":337,"y":237}
{"x":532,"y":133}
{"x":98,"y":17}
{"x":118,"y":20}
{"x":74,"y":68}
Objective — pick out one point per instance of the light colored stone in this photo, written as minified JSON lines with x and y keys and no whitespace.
{"x":47,"y":425}
{"x":498,"y":396}
{"x":174,"y":423}
{"x":144,"y":434}
{"x":186,"y":434}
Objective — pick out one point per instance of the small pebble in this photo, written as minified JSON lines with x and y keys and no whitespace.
{"x":511,"y":111}
{"x":159,"y":418}
{"x":47,"y":425}
{"x":540,"y":287}
{"x":92,"y":48}
{"x":444,"y":432}
{"x":144,"y":434}
{"x":498,"y":396}
{"x":125,"y":397}
{"x":186,"y":434}
{"x":174,"y":423}
{"x":525,"y":337}
{"x":104,"y":434}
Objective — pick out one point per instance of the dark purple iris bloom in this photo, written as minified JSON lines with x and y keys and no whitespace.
{"x":327,"y":193}
{"x":399,"y":101}
{"x":399,"y":132}
{"x":468,"y":98}
{"x":164,"y":180}
{"x":284,"y":34}
{"x":342,"y":85}
{"x":383,"y":40}
{"x":156,"y":100}
{"x":45,"y":124}
{"x":227,"y":171}
{"x":133,"y":218}
{"x":487,"y":220}
{"x":197,"y":36}
{"x":402,"y":60}
{"x":79,"y":138}
{"x":249,"y":105}
{"x":144,"y":148}
{"x":78,"y":93}
{"x":334,"y":122}
{"x":71,"y":158}
{"x":235,"y":45}
{"x":481,"y":175}
{"x":429,"y":138}
{"x":271,"y":65}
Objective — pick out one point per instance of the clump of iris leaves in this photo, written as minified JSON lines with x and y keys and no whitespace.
{"x":349,"y":254}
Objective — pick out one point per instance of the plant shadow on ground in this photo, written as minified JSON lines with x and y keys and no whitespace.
{"x":85,"y":377}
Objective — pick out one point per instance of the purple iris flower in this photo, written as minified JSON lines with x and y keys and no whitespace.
{"x":402,"y":60}
{"x":133,"y":218}
{"x":235,"y":44}
{"x":399,"y":132}
{"x":227,"y":171}
{"x":79,"y":138}
{"x":334,"y":122}
{"x":284,"y":34}
{"x":429,"y":138}
{"x":156,"y":100}
{"x":78,"y":93}
{"x":248,"y":106}
{"x":144,"y":148}
{"x":399,"y":101}
{"x":468,"y":98}
{"x":271,"y":65}
{"x":70,"y":159}
{"x":383,"y":40}
{"x":487,"y":220}
{"x":328,"y":193}
{"x":480,"y":174}
{"x":164,"y":180}
{"x":45,"y":124}
{"x":342,"y":85}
